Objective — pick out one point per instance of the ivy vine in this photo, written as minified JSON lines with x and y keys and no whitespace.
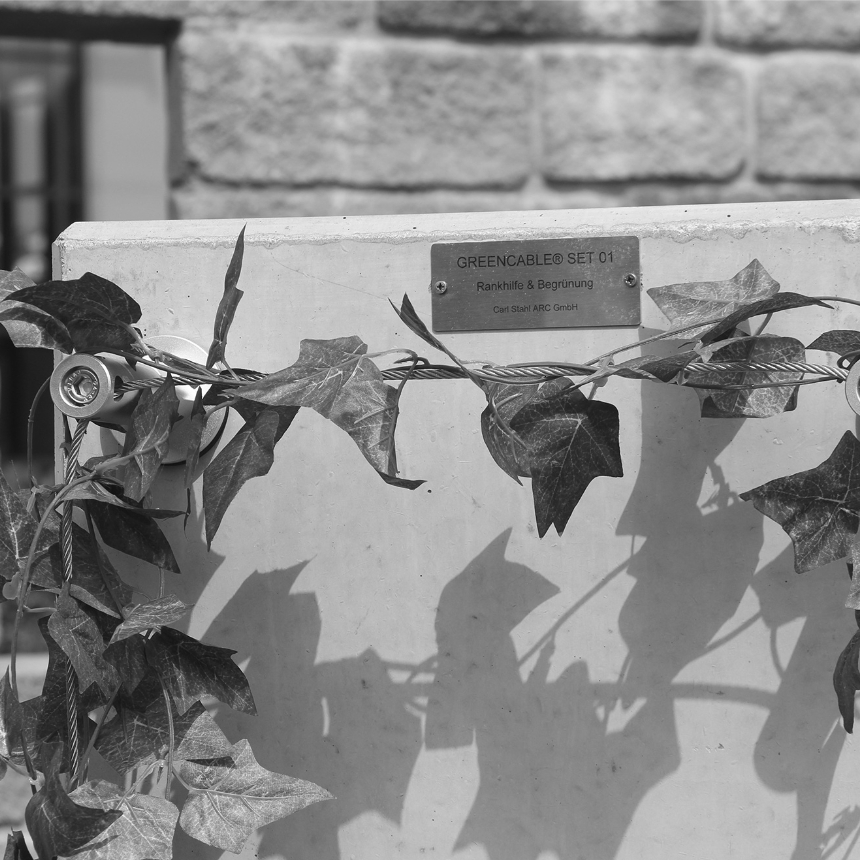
{"x":122,"y":681}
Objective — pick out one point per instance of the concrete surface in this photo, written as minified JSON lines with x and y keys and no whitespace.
{"x":655,"y":683}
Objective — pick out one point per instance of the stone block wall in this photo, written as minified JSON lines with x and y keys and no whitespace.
{"x":353,"y":107}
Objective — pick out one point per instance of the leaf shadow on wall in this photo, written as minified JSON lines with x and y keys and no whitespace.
{"x":802,"y":738}
{"x":341,"y":724}
{"x":681,"y":600}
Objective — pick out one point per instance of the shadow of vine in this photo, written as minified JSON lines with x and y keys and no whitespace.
{"x":553,"y":776}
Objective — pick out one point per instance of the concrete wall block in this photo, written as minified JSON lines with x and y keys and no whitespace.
{"x":789,"y":23}
{"x":808,"y":115}
{"x":663,"y":20}
{"x":276,"y":110}
{"x":612,"y":114}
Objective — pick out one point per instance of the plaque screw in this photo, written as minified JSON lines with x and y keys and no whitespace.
{"x":631,"y":280}
{"x":440,"y":287}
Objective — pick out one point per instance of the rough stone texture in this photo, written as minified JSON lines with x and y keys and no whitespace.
{"x":110,"y":8}
{"x":260,"y":109}
{"x":808,"y":117}
{"x":415,"y":116}
{"x":275,"y":110}
{"x":660,"y":20}
{"x":640,"y":113}
{"x":789,"y":23}
{"x":325,"y":13}
{"x":197,"y":199}
{"x":312,"y":107}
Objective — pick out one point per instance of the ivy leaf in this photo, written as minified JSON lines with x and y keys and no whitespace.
{"x":846,"y":681}
{"x":95,"y":585}
{"x":511,"y":456}
{"x":684,"y":304}
{"x":77,"y":299}
{"x":95,"y":491}
{"x":196,"y":428}
{"x":133,"y":740}
{"x":95,"y":311}
{"x":366,"y":408}
{"x":11,"y":722}
{"x":16,"y":847}
{"x":337,"y":379}
{"x":249,"y":454}
{"x":17,"y":721}
{"x":571,"y":440}
{"x":143,"y":832}
{"x":17,"y":530}
{"x":50,"y":708}
{"x":148,"y":438}
{"x":80,"y":638}
{"x":840,"y":341}
{"x":128,"y":657}
{"x":27,"y":326}
{"x":819,"y":509}
{"x":151,"y":615}
{"x":226,"y":804}
{"x":750,"y":402}
{"x":191,"y":670}
{"x":322,"y":369}
{"x":780,"y":302}
{"x":135,"y":533}
{"x":404,"y":483}
{"x":228,"y":304}
{"x":58,"y":825}
{"x":409,"y":315}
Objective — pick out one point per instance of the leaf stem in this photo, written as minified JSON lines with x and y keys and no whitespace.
{"x":31,"y":422}
{"x":202,"y":376}
{"x":838,"y":299}
{"x":25,"y":576}
{"x":669,"y":333}
{"x":99,"y":564}
{"x":391,"y":458}
{"x":171,"y":740}
{"x":82,"y":767}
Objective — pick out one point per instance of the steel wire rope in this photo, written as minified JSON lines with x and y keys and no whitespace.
{"x":67,"y":546}
{"x":530,"y":373}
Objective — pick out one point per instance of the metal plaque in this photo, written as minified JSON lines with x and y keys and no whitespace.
{"x":535,"y":283}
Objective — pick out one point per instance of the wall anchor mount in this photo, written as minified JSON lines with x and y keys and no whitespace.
{"x":84,"y":386}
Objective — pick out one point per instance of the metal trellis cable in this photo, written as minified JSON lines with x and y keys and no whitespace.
{"x":529,"y":373}
{"x":67,"y":545}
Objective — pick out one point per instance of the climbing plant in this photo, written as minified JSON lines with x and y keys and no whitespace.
{"x":125,"y":683}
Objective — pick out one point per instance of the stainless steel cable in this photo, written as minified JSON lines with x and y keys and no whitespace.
{"x":67,"y":546}
{"x":532,"y":373}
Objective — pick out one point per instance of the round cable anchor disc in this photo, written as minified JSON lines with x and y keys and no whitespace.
{"x":852,"y":382}
{"x":181,"y":431}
